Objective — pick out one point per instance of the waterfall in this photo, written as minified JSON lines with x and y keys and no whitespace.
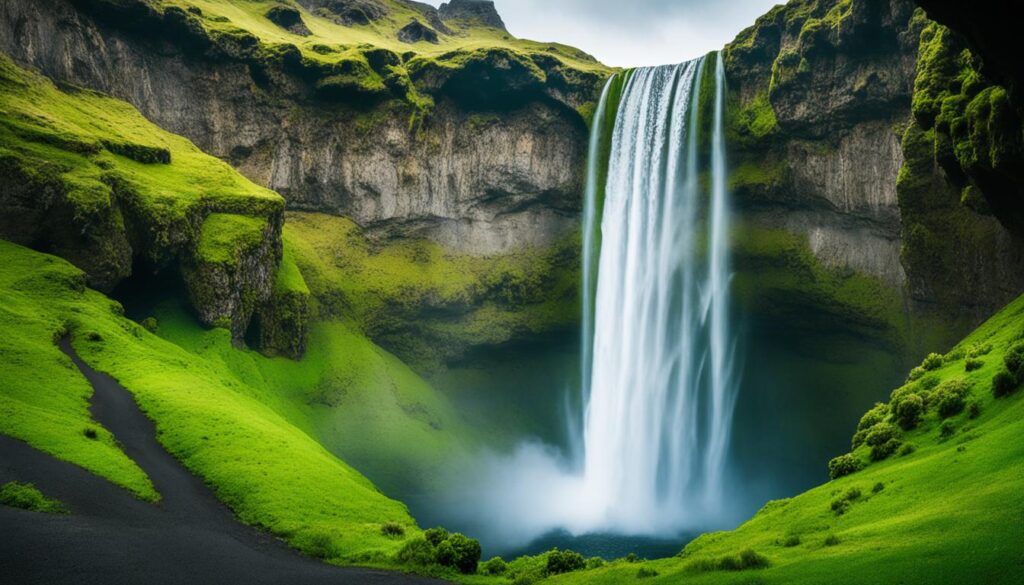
{"x":658,"y":348}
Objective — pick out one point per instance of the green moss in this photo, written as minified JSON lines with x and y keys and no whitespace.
{"x":225,"y":237}
{"x":27,"y":497}
{"x":426,"y":304}
{"x":206,"y":414}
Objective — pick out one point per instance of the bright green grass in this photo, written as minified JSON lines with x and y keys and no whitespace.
{"x":950,"y":512}
{"x":250,"y":15}
{"x":27,"y":497}
{"x":44,"y":400}
{"x":74,"y":135}
{"x":356,"y":399}
{"x":237,"y":437}
{"x":225,"y":236}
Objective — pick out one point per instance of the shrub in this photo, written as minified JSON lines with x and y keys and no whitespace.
{"x":897,"y":397}
{"x":979,"y":349}
{"x":907,"y":449}
{"x":1014,"y":358}
{"x":916,"y":374}
{"x":974,"y":410}
{"x":881,"y":434}
{"x":973,"y":364}
{"x":831,"y":540}
{"x":929,"y":383}
{"x":564,"y":561}
{"x":874,"y":416}
{"x":956,"y":354}
{"x":791,"y":541}
{"x":90,"y":433}
{"x":444,"y":554}
{"x":878,"y":487}
{"x":25,"y":496}
{"x":946,"y":430}
{"x":632,"y":558}
{"x":909,"y":411}
{"x":495,"y":566}
{"x":595,"y":563}
{"x":417,"y":552}
{"x":883,"y":451}
{"x":932,"y":362}
{"x":435,"y":536}
{"x":392,"y":529}
{"x":843,"y":465}
{"x":150,"y":324}
{"x":951,"y":397}
{"x":852,"y":494}
{"x":840,"y":506}
{"x":466,"y":553}
{"x":646,"y":572}
{"x":1003,"y":384}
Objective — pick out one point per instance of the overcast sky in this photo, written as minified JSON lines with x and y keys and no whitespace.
{"x":633,"y":32}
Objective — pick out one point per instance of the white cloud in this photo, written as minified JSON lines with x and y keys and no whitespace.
{"x":633,"y":32}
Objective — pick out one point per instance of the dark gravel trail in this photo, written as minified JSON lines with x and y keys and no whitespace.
{"x":113,"y":538}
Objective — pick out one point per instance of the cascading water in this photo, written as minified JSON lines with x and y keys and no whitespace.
{"x":657,"y":343}
{"x":659,"y":384}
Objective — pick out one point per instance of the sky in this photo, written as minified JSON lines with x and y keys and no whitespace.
{"x":633,"y":32}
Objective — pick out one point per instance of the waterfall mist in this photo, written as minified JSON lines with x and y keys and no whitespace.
{"x":654,"y":417}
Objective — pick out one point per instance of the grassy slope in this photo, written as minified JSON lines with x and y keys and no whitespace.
{"x":950,"y":512}
{"x":28,"y":497}
{"x":76,"y":136}
{"x":236,"y":436}
{"x":251,"y":16}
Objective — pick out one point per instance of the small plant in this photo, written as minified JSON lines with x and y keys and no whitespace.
{"x":632,"y":558}
{"x":90,"y":433}
{"x":951,"y":397}
{"x":467,"y":553}
{"x":909,"y":411}
{"x":26,"y":496}
{"x":946,"y":430}
{"x":973,"y":364}
{"x":416,"y":552}
{"x":979,"y":349}
{"x":907,"y":449}
{"x":392,"y":530}
{"x":843,"y":465}
{"x":1014,"y":359}
{"x":878,"y":487}
{"x":932,"y":362}
{"x":319,"y":545}
{"x":435,"y":536}
{"x":853,"y":494}
{"x":646,"y":572}
{"x":791,"y":541}
{"x":840,"y":506}
{"x":974,"y":410}
{"x":1003,"y":384}
{"x":916,"y":374}
{"x":150,"y":324}
{"x":564,"y":561}
{"x":495,"y":566}
{"x":595,"y":563}
{"x":831,"y":540}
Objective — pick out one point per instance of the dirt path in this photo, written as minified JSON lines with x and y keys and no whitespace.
{"x":113,"y":538}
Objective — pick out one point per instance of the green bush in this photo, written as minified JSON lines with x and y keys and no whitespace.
{"x":947,"y":430}
{"x":932,"y":362}
{"x":791,"y":541}
{"x":417,"y":552}
{"x":646,"y":572}
{"x":881,"y":434}
{"x":974,"y":410}
{"x":973,"y":364}
{"x":874,"y":416}
{"x":26,"y":496}
{"x":317,"y":544}
{"x":435,"y":536}
{"x":392,"y":529}
{"x":1004,"y":383}
{"x":467,"y":553}
{"x":564,"y":561}
{"x":883,"y":451}
{"x":831,"y":540}
{"x":843,"y":465}
{"x":90,"y":433}
{"x":1014,"y":358}
{"x":878,"y":488}
{"x":979,"y":349}
{"x":150,"y":324}
{"x":495,"y":566}
{"x":909,"y":411}
{"x":444,"y":554}
{"x":907,"y":449}
{"x":595,"y":563}
{"x":951,"y":397}
{"x":840,"y":506}
{"x":916,"y":374}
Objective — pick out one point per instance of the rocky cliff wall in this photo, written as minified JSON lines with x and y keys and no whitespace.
{"x":488,"y":171}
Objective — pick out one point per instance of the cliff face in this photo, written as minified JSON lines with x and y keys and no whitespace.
{"x":821,"y":100}
{"x":511,"y":149}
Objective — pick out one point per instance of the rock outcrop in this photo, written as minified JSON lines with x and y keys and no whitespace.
{"x":415,"y":32}
{"x":822,"y":94}
{"x":477,"y":11}
{"x":512,"y":163}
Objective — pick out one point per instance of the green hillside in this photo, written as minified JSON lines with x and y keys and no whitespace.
{"x":944,"y":505}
